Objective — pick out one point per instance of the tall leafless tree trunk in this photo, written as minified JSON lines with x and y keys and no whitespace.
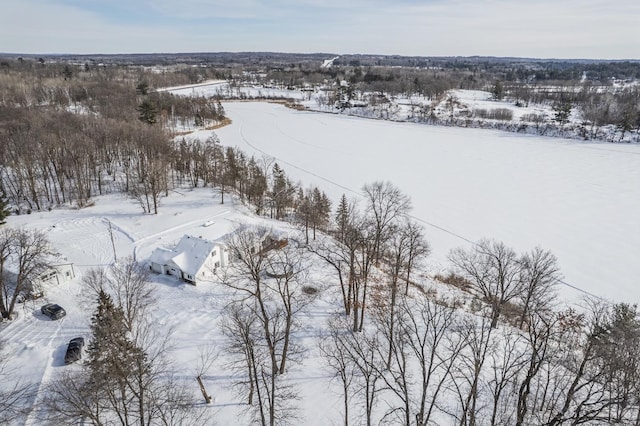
{"x":539,"y":333}
{"x":468,"y":374}
{"x":539,"y":275}
{"x":336,"y":356}
{"x":430,"y":328}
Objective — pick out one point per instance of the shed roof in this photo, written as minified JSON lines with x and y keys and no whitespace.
{"x":161,"y":255}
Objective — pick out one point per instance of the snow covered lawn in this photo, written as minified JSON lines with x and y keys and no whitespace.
{"x":35,"y":345}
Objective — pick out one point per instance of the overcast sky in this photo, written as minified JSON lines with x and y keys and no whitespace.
{"x":599,"y":29}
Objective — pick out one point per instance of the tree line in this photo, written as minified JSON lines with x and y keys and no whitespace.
{"x":583,"y":87}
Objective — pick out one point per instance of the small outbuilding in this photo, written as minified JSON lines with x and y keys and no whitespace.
{"x":49,"y":276}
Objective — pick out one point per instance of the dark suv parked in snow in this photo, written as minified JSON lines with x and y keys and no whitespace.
{"x":53,"y":311}
{"x":74,"y":350}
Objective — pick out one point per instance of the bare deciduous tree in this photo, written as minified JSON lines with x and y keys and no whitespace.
{"x":539,"y":274}
{"x":362,"y":352}
{"x":386,"y":204}
{"x":268,"y":284}
{"x":507,"y":359}
{"x":73,"y":396}
{"x":424,"y":348}
{"x":15,"y":398}
{"x":288,"y":277}
{"x":239,"y":326}
{"x":336,"y":357}
{"x":539,"y":336}
{"x":127,"y":282}
{"x":493,"y":268}
{"x":430,"y":328}
{"x":333,"y":255}
{"x":579,"y":386}
{"x":24,"y":255}
{"x":403,"y":248}
{"x":467,"y":373}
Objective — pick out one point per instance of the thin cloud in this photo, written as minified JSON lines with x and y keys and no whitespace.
{"x":544,"y":28}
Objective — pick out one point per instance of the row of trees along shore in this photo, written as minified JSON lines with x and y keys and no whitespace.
{"x":602,"y":93}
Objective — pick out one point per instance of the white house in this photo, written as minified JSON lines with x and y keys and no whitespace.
{"x":194,"y":259}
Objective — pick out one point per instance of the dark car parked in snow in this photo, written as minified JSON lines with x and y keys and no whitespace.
{"x":74,"y":350}
{"x":53,"y":311}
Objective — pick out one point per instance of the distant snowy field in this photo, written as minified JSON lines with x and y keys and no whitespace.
{"x":580,"y":200}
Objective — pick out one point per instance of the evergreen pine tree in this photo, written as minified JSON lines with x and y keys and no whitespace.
{"x":282,"y":192}
{"x":304,"y":212}
{"x":4,"y":209}
{"x":67,"y":72}
{"x":147,"y":112}
{"x":115,"y":363}
{"x":562,"y":112}
{"x":142,"y":88}
{"x":342,"y":217}
{"x":321,"y":210}
{"x":219,"y":111}
{"x":497,"y":91}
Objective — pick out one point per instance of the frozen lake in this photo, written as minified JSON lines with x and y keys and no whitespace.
{"x":579,"y":200}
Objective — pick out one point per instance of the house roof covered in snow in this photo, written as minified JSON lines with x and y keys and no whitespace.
{"x":191,"y":253}
{"x":161,"y":255}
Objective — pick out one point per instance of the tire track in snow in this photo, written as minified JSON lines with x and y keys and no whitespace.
{"x":27,"y":329}
{"x":140,"y":241}
{"x":301,"y":142}
{"x":283,"y":161}
{"x":36,"y":408}
{"x":85,"y":238}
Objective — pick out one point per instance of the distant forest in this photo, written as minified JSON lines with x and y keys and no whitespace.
{"x":73,"y":127}
{"x":71,"y":132}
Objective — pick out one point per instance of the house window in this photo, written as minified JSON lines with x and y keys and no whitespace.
{"x":213,"y":253}
{"x":48,"y":276}
{"x":67,"y":274}
{"x":217,"y":265}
